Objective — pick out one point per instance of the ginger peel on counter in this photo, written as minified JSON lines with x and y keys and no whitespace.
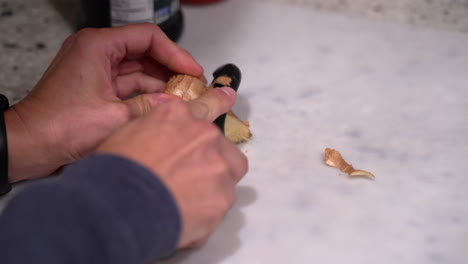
{"x":333,"y":158}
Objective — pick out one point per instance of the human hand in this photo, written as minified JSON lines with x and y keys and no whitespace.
{"x":201,"y":168}
{"x":82,"y":97}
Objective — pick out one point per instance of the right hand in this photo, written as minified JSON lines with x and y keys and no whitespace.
{"x":201,"y":168}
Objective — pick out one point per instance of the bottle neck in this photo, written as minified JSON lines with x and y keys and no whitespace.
{"x":123,"y":12}
{"x":164,"y":10}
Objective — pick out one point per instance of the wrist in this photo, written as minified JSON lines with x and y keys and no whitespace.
{"x":30,"y":152}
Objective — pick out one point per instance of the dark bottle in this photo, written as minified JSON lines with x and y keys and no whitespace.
{"x":106,"y":13}
{"x":199,"y":2}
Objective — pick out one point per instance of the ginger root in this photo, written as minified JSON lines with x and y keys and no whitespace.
{"x":333,"y":158}
{"x":186,"y":87}
{"x":189,"y":88}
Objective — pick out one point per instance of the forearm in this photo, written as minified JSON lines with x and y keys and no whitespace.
{"x":104,"y":209}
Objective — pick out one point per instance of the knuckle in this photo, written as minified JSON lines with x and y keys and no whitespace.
{"x":210,"y":131}
{"x":86,"y":33}
{"x":204,"y":110}
{"x":90,"y":37}
{"x":206,"y":134}
{"x":220,"y":165}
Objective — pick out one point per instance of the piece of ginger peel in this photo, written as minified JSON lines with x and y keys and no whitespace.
{"x":333,"y":158}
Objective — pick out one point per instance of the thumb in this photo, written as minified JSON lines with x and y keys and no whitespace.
{"x":144,"y":103}
{"x":213,"y":103}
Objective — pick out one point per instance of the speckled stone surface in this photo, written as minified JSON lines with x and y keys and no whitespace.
{"x":441,"y":14}
{"x":31,"y":32}
{"x":392,"y":98}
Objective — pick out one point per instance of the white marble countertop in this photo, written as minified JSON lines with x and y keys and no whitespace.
{"x":441,"y":14}
{"x":392,"y":98}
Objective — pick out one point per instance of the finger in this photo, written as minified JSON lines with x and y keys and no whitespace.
{"x":137,"y":41}
{"x":143,"y":104}
{"x":155,"y":69}
{"x":238,"y":162}
{"x":146,"y":65}
{"x":137,"y":82}
{"x":129,"y":66}
{"x":213,"y":103}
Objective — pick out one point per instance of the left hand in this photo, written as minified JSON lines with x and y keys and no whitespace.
{"x":82,"y":97}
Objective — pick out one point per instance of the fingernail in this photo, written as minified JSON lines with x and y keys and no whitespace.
{"x":227,"y":90}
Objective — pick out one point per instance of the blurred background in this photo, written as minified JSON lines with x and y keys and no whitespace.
{"x":31,"y":31}
{"x":382,"y":81}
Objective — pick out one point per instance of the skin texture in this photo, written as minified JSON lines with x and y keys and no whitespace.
{"x":81,"y":106}
{"x":196,"y":162}
{"x":82,"y":97}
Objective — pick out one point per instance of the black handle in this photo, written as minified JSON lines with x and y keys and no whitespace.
{"x":226,"y":75}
